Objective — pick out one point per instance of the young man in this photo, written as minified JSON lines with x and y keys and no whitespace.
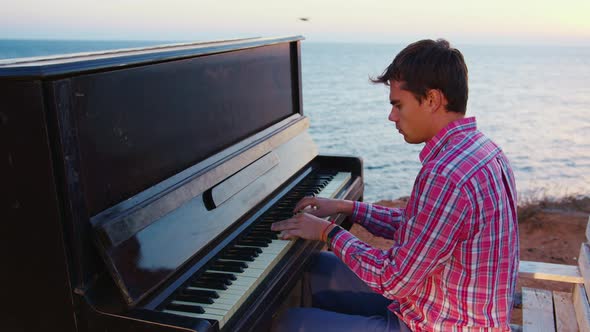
{"x":454,"y":263}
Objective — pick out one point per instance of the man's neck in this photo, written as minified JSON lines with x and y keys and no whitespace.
{"x":443,"y":119}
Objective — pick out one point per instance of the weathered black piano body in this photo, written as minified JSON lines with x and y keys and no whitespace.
{"x":126,"y":174}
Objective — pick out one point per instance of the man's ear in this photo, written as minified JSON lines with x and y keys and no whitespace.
{"x":436,"y":100}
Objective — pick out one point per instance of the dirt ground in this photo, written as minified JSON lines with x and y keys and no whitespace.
{"x":551,"y":231}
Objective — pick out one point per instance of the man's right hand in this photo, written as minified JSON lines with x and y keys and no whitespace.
{"x":323,"y":207}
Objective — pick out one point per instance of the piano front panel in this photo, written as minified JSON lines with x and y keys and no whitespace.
{"x":151,"y":122}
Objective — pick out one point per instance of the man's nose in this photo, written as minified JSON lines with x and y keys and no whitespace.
{"x":393,"y":115}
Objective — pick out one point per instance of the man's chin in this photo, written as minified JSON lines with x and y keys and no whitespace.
{"x":406,"y":138}
{"x":409,"y":140}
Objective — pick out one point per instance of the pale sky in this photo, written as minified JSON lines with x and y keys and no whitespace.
{"x":386,"y":21}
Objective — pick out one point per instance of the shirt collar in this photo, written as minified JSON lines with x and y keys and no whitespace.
{"x":435,"y":144}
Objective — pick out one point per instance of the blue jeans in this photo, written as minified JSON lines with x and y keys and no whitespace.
{"x":341,"y":302}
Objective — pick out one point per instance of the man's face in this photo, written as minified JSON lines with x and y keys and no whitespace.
{"x":412,"y":119}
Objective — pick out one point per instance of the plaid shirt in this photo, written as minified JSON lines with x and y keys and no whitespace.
{"x":454,"y":263}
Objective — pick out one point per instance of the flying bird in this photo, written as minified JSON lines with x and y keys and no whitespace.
{"x":304,"y":19}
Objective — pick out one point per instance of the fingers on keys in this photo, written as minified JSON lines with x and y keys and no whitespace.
{"x":283,"y":224}
{"x":306,"y":204}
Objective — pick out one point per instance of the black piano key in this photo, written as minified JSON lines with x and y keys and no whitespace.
{"x":305,"y":189}
{"x":231,"y":263}
{"x":248,"y":253}
{"x":280,"y":210}
{"x":239,"y":257}
{"x":265,"y":231}
{"x":224,"y":280}
{"x":279,"y":216}
{"x":264,"y":223}
{"x":227,"y":268}
{"x":211,"y":284}
{"x":267,"y":223}
{"x":262,"y":226}
{"x":200,"y":292}
{"x":194,"y":298}
{"x":214,"y":275}
{"x":254,"y":237}
{"x":244,"y":242}
{"x":268,"y":234}
{"x":285,"y":205}
{"x":307,"y":192}
{"x":185,"y":308}
{"x":262,"y":229}
{"x":242,"y":250}
{"x":259,"y":235}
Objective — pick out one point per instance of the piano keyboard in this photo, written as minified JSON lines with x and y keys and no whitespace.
{"x":218,"y":292}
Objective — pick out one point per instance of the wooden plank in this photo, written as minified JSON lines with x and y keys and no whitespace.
{"x":565,"y":316}
{"x":582,"y":308}
{"x":537,"y":310}
{"x":549,"y":271}
{"x":584,"y":265}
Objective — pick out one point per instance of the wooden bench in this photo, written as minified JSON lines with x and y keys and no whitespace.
{"x":544,"y":310}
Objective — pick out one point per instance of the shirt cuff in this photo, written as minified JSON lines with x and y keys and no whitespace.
{"x":340,"y":242}
{"x":360,"y":212}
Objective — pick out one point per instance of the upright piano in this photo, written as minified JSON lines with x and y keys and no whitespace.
{"x":139,"y":186}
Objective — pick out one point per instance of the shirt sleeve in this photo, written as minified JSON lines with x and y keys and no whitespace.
{"x":378,"y":220}
{"x":427,"y":240}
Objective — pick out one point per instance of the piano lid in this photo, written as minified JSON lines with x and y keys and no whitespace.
{"x":70,"y":64}
{"x":142,"y":134}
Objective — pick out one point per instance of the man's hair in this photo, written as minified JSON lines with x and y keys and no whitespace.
{"x":429,"y":64}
